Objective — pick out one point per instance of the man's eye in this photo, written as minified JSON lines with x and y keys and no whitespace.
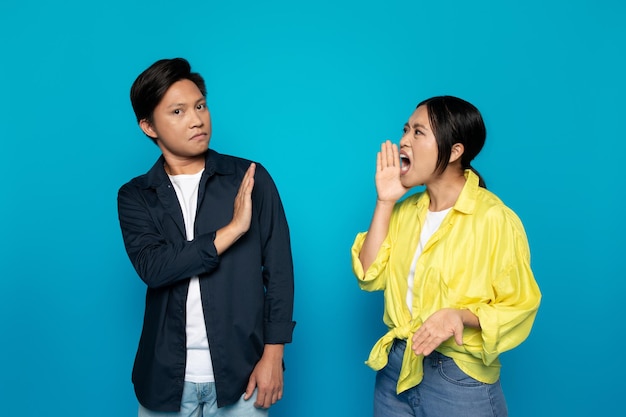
{"x":201,"y":106}
{"x":405,"y":129}
{"x":177,"y":111}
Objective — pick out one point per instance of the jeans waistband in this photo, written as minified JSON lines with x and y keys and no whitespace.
{"x":399,"y":344}
{"x":434,"y":358}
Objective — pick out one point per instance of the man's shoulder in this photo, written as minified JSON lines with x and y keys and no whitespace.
{"x":225,"y":160}
{"x":150,"y":179}
{"x":225,"y":164}
{"x":135,"y":186}
{"x":139,"y":181}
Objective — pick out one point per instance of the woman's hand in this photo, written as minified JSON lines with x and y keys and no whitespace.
{"x":441,"y":326}
{"x":388,"y":185}
{"x":389,"y":190}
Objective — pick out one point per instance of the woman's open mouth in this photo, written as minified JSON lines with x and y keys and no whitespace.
{"x":405,"y":164}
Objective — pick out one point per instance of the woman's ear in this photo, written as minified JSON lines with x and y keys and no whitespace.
{"x":147,"y":128}
{"x":456,"y":152}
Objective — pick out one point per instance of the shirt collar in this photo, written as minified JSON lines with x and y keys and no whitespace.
{"x":467,"y":199}
{"x":215,"y":163}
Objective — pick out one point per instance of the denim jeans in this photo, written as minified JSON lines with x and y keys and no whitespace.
{"x":445,"y":391}
{"x":200,"y":400}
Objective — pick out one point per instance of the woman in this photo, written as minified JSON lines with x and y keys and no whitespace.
{"x":454,"y":265}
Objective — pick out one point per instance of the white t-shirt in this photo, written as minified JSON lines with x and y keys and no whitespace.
{"x":431,"y":224}
{"x":199,"y":367}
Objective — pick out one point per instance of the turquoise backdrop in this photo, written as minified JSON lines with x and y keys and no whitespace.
{"x":310,"y":89}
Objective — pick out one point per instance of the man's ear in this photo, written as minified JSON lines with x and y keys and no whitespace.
{"x":147,"y":128}
{"x":456,"y":152}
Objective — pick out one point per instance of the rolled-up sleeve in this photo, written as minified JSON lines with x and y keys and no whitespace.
{"x":376,"y":276}
{"x":506,"y":321}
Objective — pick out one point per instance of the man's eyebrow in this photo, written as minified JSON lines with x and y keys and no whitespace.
{"x":201,"y":99}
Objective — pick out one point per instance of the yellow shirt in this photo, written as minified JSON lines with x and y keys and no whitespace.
{"x":478,"y":260}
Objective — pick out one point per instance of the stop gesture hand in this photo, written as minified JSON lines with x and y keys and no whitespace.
{"x":242,"y":214}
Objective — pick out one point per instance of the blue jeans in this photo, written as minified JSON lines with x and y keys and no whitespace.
{"x":200,"y":400}
{"x":445,"y":391}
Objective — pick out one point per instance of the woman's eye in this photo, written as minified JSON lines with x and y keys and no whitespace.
{"x":417,"y":132}
{"x":177,"y":111}
{"x":201,"y":106}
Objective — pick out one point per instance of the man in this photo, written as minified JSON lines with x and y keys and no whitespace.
{"x":208,"y":235}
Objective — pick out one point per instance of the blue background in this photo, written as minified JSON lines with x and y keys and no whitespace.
{"x":309,"y":89}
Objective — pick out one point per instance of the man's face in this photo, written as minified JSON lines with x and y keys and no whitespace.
{"x":181,"y":122}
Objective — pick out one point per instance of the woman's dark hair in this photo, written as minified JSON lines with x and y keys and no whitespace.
{"x":454,"y":120}
{"x":149,"y":88}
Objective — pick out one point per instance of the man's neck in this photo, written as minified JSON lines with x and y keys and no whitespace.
{"x":184,"y":166}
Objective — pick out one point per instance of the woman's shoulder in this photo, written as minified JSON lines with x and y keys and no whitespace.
{"x":492,"y":209}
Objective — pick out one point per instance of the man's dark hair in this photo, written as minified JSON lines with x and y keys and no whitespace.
{"x":149,"y":88}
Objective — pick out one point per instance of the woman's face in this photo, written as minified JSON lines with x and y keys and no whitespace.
{"x":418,"y":150}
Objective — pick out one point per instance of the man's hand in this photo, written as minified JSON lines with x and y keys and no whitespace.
{"x":242,"y":214}
{"x":267,"y":377}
